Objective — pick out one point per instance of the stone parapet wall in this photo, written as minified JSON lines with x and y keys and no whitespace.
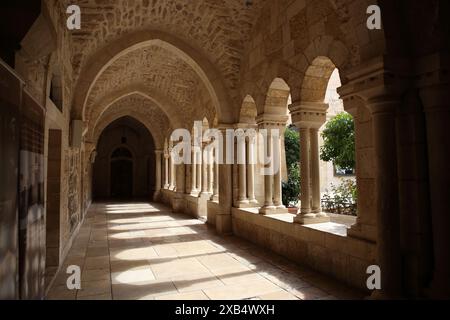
{"x":344,"y":258}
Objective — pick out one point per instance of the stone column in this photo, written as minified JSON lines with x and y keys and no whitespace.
{"x":178,"y":200}
{"x":277,"y":201}
{"x":180,"y":178}
{"x":210,"y":172}
{"x":223,"y":217}
{"x":268,"y":178}
{"x":199,"y":169}
{"x":242,"y":175}
{"x":315,"y":172}
{"x":193,"y":166}
{"x":172,"y":172}
{"x":381,"y":85}
{"x":215,"y":196}
{"x":158,"y":173}
{"x":166,"y":171}
{"x":272,"y":191}
{"x":383,"y":110}
{"x":365,"y":225}
{"x":205,"y":183}
{"x":251,"y":171}
{"x":308,"y":117}
{"x":436,"y":100}
{"x":305,"y":193}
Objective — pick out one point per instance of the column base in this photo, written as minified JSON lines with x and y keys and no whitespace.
{"x":362,"y":231}
{"x":282,"y":208}
{"x":214,"y":198}
{"x":244,"y":204}
{"x":250,"y":204}
{"x":195,"y":193}
{"x":205,"y":195}
{"x":311,"y":218}
{"x":272,"y":210}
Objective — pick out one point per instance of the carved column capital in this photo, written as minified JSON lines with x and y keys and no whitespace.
{"x":378,"y":82}
{"x":308,"y":114}
{"x":272,"y":121}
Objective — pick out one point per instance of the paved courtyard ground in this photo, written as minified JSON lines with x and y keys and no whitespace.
{"x":144,"y":251}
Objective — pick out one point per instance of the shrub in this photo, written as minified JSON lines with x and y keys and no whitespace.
{"x":291,"y":188}
{"x":342,"y":198}
{"x":339,"y":142}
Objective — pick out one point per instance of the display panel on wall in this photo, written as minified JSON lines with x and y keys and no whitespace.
{"x":31,"y":200}
{"x":10,"y":88}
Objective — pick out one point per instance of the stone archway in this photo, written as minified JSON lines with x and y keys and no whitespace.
{"x":205,"y":70}
{"x":165,"y":105}
{"x":140,"y":107}
{"x":125,"y":161}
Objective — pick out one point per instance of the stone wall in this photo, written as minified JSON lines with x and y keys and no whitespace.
{"x":38,"y":73}
{"x":344,"y":258}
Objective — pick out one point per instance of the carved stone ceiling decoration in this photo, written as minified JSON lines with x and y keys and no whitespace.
{"x":219,"y":27}
{"x":135,"y":105}
{"x":152,"y":68}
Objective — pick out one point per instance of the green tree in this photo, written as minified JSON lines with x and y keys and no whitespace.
{"x":291,"y":188}
{"x":339,"y":142}
{"x":292,"y":146}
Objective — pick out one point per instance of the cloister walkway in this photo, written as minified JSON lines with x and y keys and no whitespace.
{"x":144,"y":251}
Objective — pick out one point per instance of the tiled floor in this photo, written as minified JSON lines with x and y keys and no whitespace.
{"x":143,"y":251}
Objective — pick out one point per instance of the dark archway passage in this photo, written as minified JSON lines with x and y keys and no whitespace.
{"x":121,"y":174}
{"x":125,"y":163}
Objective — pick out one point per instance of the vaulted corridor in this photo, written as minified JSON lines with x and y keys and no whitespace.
{"x":143,"y":251}
{"x":206,"y":149}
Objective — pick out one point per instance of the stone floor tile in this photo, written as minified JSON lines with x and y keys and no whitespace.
{"x":309,"y":293}
{"x":94,"y":288}
{"x":133,"y":275}
{"x":95,"y":251}
{"x":218,"y":261}
{"x":96,"y":274}
{"x":96,"y":262}
{"x":106,"y":296}
{"x":241,"y":291}
{"x":186,"y":283}
{"x":279,"y":295}
{"x":165,"y":251}
{"x":195,"y":295}
{"x":177,"y":267}
{"x":142,"y":251}
{"x":144,"y":290}
{"x":61,"y":293}
{"x":239,"y":275}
